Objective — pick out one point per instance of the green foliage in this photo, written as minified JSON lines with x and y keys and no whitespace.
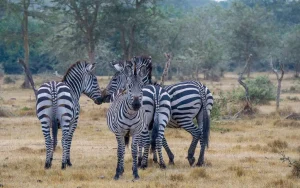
{"x":203,"y":36}
{"x":261,"y":89}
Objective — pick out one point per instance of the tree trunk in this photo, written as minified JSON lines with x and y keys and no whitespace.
{"x":249,"y":69}
{"x":297,"y":70}
{"x":279,"y":80}
{"x":25,"y":40}
{"x":278,"y":93}
{"x":131,"y":42}
{"x":123,"y":42}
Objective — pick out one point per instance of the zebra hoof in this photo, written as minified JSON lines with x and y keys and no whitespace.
{"x":191,"y":161}
{"x":171,"y":163}
{"x":162,"y":166}
{"x":199,"y":164}
{"x":155,"y":160}
{"x":48,"y":165}
{"x":136,"y":177}
{"x":144,"y":166}
{"x":69,"y":162}
{"x":63,"y":166}
{"x":116,"y":177}
{"x":139,"y":162}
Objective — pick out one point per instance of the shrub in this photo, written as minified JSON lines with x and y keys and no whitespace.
{"x":296,"y":169}
{"x":278,"y":144}
{"x":176,"y":177}
{"x":8,"y":80}
{"x":261,"y":89}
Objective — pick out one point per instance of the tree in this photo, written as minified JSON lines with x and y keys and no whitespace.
{"x":85,"y":19}
{"x":130,"y":20}
{"x":246,"y":29}
{"x":292,"y":47}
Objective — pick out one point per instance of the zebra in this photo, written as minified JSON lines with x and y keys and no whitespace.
{"x":58,"y":104}
{"x":187,"y":104}
{"x":189,"y":100}
{"x":126,"y":116}
{"x":156,"y":102}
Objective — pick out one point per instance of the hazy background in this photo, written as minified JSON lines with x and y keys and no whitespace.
{"x":203,"y":35}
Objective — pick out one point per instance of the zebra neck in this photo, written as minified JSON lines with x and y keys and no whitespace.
{"x":128,"y":110}
{"x":76,"y":86}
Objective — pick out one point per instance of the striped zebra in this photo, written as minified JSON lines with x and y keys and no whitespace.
{"x":126,"y":116}
{"x":156,"y":102}
{"x":186,"y":104}
{"x":58,"y":104}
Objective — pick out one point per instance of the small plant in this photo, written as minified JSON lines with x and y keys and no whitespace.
{"x":177,"y":177}
{"x":199,"y":173}
{"x":294,"y":164}
{"x":278,"y":144}
{"x":8,"y":80}
{"x":239,"y":170}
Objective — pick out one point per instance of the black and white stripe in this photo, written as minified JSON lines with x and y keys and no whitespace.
{"x":58,"y":104}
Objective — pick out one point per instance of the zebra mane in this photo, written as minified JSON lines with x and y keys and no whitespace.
{"x":78,"y":63}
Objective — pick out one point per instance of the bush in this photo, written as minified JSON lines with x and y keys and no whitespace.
{"x":261,"y":89}
{"x":8,"y":80}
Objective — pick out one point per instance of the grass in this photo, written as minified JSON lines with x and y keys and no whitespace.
{"x":239,"y":154}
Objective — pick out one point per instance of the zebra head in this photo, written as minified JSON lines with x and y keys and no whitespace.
{"x":117,"y":82}
{"x":144,"y":62}
{"x":134,"y":84}
{"x":90,"y":84}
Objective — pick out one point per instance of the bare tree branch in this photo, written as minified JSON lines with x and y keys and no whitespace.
{"x":166,"y":69}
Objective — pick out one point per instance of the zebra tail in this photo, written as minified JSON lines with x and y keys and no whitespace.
{"x":29,"y":76}
{"x":206,"y":120}
{"x":155,"y":129}
{"x":55,"y":122}
{"x":54,"y":132}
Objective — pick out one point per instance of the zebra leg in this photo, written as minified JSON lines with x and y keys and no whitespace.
{"x":146,"y":144}
{"x":70,"y":136}
{"x":194,"y":131}
{"x":140,"y":154}
{"x":158,"y":148}
{"x":48,"y":143}
{"x":202,"y":143}
{"x":135,"y":141}
{"x":121,"y":152}
{"x":154,"y":157}
{"x":168,"y":150}
{"x":64,"y":141}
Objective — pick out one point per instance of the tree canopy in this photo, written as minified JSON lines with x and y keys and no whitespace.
{"x":202,"y":36}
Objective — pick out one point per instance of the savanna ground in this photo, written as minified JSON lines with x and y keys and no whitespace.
{"x":242,"y":152}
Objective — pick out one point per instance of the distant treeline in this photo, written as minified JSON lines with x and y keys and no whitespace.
{"x":202,"y":35}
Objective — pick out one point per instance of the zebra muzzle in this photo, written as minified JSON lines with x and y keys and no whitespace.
{"x":99,"y":100}
{"x":136,"y":104}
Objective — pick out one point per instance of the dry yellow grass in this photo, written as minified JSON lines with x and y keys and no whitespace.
{"x":241,"y":153}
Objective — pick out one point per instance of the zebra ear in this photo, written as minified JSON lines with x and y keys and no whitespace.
{"x":118,"y":66}
{"x":91,"y":67}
